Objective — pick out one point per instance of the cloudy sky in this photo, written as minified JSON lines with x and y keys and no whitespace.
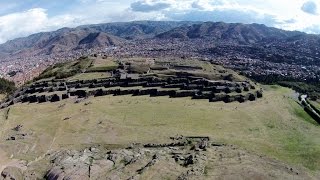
{"x":20,"y":18}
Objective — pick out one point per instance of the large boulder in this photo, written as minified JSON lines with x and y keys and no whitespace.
{"x":42,"y":99}
{"x":55,"y":98}
{"x":252,"y":97}
{"x":11,"y":173}
{"x":33,"y":99}
{"x":81,"y":93}
{"x":65,"y":96}
{"x":259,"y":94}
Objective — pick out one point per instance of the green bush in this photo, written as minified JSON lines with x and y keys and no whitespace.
{"x":6,"y":86}
{"x":65,"y":70}
{"x":311,"y":89}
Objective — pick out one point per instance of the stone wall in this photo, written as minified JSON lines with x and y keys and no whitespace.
{"x":185,"y":85}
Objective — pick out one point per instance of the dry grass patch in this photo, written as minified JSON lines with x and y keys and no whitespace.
{"x":2,"y":96}
{"x":89,"y":76}
{"x":269,"y":126}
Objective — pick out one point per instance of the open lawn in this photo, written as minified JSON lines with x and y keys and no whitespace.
{"x":170,"y":66}
{"x":315,"y":104}
{"x":102,"y":64}
{"x":89,"y":76}
{"x":65,"y":70}
{"x":275,"y":126}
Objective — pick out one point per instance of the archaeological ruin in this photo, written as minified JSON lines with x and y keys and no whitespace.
{"x":175,"y":86}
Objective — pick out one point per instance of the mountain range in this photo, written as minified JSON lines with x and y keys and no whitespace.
{"x":88,"y":36}
{"x":118,"y":34}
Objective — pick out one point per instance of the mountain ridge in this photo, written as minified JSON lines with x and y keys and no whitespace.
{"x":145,"y":34}
{"x":229,"y":32}
{"x":131,"y":30}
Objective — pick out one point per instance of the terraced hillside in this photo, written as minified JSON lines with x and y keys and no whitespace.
{"x":137,"y":77}
{"x":117,"y":126}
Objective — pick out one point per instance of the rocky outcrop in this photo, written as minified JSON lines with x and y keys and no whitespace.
{"x":12,"y":173}
{"x":182,"y":158}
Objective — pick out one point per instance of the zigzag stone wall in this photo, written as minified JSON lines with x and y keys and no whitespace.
{"x":194,"y":87}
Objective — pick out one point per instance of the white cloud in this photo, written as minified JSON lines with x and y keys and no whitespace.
{"x":35,"y":20}
{"x":285,"y":14}
{"x":21,"y":24}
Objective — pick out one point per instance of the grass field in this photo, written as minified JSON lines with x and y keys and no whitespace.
{"x":89,"y":76}
{"x":65,"y":70}
{"x":275,"y":126}
{"x":315,"y":104}
{"x":209,"y":71}
{"x":102,"y":64}
{"x":2,"y":96}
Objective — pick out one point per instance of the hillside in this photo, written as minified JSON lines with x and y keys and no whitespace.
{"x":137,"y":29}
{"x":90,"y":36}
{"x":115,"y":34}
{"x":263,"y":53}
{"x":64,"y":40}
{"x":6,"y":86}
{"x":155,"y":118}
{"x":235,"y":33}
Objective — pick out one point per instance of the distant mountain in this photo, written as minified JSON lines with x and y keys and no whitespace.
{"x":62,"y":40}
{"x":117,"y":34}
{"x":89,"y":36}
{"x":59,"y":41}
{"x":137,"y":29}
{"x":231,"y":33}
{"x":255,"y":41}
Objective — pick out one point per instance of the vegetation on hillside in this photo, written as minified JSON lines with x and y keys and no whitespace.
{"x":65,"y":70}
{"x":309,"y":87}
{"x":6,"y":86}
{"x":103,"y":64}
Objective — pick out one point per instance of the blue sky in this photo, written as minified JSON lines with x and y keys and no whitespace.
{"x":20,"y":18}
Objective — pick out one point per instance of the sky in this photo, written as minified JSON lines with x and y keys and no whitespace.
{"x":19,"y":18}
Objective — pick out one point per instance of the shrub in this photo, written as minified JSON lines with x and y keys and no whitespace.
{"x":6,"y":86}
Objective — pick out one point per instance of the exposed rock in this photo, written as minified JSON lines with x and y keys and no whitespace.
{"x":11,"y":173}
{"x":151,"y":163}
{"x":65,"y":96}
{"x":17,"y":128}
{"x":42,"y":99}
{"x":189,"y":160}
{"x":55,"y":98}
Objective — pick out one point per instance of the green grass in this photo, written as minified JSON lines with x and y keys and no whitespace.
{"x":303,"y":150}
{"x":299,"y":112}
{"x":89,"y":76}
{"x":316,"y":104}
{"x":139,"y":68}
{"x":274,"y":126}
{"x":102,"y":69}
{"x":103,"y":65}
{"x":65,"y":70}
{"x":6,"y":86}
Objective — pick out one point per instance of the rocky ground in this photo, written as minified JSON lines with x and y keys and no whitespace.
{"x":130,"y":136}
{"x":182,"y":158}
